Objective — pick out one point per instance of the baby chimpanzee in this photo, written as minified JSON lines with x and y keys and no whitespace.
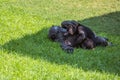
{"x":56,"y":33}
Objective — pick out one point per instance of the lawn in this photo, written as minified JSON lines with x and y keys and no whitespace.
{"x":26,"y":53}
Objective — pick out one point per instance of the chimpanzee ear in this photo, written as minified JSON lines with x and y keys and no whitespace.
{"x":53,"y":25}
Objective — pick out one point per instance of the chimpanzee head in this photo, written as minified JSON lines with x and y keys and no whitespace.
{"x":70,"y":25}
{"x":56,"y":33}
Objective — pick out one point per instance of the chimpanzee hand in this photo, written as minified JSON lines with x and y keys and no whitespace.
{"x":67,"y":48}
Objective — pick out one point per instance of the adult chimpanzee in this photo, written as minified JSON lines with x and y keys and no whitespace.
{"x":86,"y":35}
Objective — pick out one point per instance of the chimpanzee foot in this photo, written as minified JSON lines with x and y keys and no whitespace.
{"x":106,"y":38}
{"x":111,"y":44}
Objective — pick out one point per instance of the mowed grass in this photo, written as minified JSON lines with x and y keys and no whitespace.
{"x":27,"y":54}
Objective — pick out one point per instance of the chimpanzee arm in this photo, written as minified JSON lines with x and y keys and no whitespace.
{"x":80,"y":36}
{"x":66,"y":47}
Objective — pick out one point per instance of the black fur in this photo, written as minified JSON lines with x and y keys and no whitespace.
{"x":73,"y":34}
{"x":75,"y":28}
{"x":85,"y":34}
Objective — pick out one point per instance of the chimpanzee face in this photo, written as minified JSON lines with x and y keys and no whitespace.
{"x":56,"y":32}
{"x":70,"y":25}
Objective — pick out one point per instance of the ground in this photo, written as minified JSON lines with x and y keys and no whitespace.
{"x":26,"y":53}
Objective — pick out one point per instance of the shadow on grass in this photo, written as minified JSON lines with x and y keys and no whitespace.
{"x":101,"y":59}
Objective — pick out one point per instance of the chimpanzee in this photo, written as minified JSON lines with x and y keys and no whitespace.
{"x":75,"y":28}
{"x":56,"y":33}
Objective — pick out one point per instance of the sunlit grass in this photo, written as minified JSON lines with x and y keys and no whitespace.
{"x":27,"y":54}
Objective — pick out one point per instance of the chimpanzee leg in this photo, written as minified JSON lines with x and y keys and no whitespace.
{"x":101,"y":41}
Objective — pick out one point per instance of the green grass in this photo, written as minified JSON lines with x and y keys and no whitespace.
{"x":27,"y":54}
